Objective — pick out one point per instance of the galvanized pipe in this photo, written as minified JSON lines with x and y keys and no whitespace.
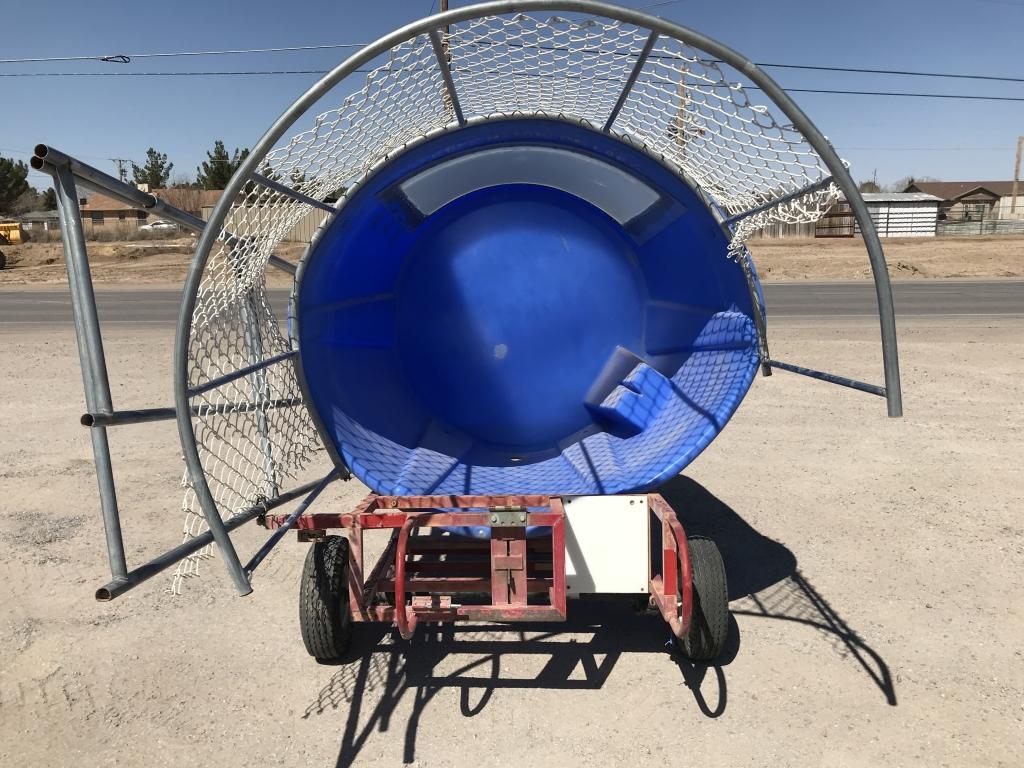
{"x":143,"y":415}
{"x":831,"y":378}
{"x":99,"y":181}
{"x":172,"y":556}
{"x":641,"y":60}
{"x":446,"y":74}
{"x":283,"y":264}
{"x":91,"y":358}
{"x":294,"y":194}
{"x":781,"y":199}
{"x":47,"y":157}
{"x":279,"y":533}
{"x":235,"y":375}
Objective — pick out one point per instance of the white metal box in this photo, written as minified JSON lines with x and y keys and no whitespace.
{"x":607,"y":544}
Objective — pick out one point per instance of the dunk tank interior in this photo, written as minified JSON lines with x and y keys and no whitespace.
{"x":525,"y":303}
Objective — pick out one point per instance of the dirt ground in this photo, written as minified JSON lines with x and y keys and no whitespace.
{"x":876,"y":570}
{"x":142,"y":261}
{"x":162,"y":261}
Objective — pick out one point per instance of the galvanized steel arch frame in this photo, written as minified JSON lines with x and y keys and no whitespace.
{"x":815,"y":139}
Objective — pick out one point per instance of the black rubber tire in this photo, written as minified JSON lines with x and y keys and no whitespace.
{"x":3,"y":260}
{"x":325,"y":616}
{"x":710,"y":626}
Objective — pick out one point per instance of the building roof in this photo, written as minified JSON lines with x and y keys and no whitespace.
{"x":899,"y":197}
{"x":40,"y":216}
{"x":951,"y":190}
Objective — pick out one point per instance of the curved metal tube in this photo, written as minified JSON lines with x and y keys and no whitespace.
{"x":685,"y":35}
{"x":405,"y":617}
{"x":681,"y":625}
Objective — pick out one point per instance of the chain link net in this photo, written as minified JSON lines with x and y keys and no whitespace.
{"x":253,"y":433}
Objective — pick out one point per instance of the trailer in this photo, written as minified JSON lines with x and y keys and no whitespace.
{"x":528,"y":303}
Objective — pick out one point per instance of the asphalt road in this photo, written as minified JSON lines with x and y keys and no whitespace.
{"x":159,"y":306}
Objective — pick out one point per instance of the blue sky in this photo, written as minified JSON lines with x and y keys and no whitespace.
{"x":100,"y":118}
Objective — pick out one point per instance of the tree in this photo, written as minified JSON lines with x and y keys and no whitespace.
{"x":49,"y":200}
{"x":155,"y":172}
{"x":13,"y":185}
{"x":184,"y":194}
{"x":217,"y":170}
{"x":900,"y":185}
{"x":29,"y":200}
{"x":869,"y":186}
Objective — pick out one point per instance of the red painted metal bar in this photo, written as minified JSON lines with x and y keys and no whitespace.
{"x":322,"y":521}
{"x":457,"y":584}
{"x":510,"y":567}
{"x":479,"y":568}
{"x":557,"y":594}
{"x":406,"y":623}
{"x":388,"y":614}
{"x":356,"y":560}
{"x":461,"y":502}
{"x":511,"y":613}
{"x":677,"y":611}
{"x":424,"y":545}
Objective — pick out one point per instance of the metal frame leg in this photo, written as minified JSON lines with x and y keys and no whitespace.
{"x":91,"y":357}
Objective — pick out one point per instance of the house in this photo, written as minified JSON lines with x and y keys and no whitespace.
{"x":103,"y":213}
{"x":974,"y":200}
{"x":108,"y":213}
{"x":40,"y":221}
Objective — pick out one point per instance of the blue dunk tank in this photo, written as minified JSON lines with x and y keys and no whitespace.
{"x":526,"y":305}
{"x":541,"y":308}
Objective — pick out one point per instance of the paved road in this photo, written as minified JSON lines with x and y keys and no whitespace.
{"x":159,"y":306}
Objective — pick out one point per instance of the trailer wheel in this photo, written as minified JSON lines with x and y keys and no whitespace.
{"x":325,"y":616}
{"x":710,"y":625}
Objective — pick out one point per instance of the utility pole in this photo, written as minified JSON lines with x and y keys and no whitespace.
{"x":1016,"y":175}
{"x":122,"y":169}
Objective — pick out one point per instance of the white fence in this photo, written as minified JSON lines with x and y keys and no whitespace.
{"x":983,"y":227}
{"x":302,"y":232}
{"x":904,"y":219}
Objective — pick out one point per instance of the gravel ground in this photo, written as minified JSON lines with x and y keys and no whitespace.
{"x":876,"y":568}
{"x":791,"y":258}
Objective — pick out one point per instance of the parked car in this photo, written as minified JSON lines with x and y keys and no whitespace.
{"x":160,"y":225}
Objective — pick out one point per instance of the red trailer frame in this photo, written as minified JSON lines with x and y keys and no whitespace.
{"x":508,"y":566}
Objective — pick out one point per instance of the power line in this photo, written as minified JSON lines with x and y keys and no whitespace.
{"x":924,"y":149}
{"x":202,"y":73}
{"x":249,"y":72}
{"x":127,"y":58}
{"x":972,"y":97}
{"x":899,"y":72}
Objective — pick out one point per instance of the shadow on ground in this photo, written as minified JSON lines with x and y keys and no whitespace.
{"x":764,"y":580}
{"x":382,"y":671}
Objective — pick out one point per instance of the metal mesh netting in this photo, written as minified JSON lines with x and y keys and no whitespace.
{"x":253,"y":433}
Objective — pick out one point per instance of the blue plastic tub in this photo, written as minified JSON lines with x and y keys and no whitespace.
{"x":523,"y":306}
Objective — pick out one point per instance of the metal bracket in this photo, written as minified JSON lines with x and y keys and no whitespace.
{"x":508,"y":517}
